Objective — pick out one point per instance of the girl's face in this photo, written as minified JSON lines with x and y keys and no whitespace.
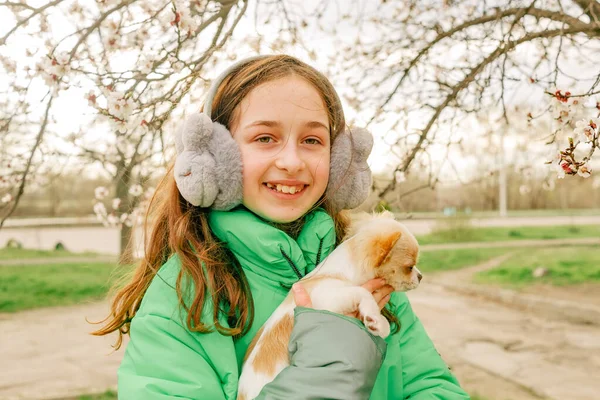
{"x":282,"y":130}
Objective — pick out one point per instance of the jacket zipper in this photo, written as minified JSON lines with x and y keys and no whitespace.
{"x":318,"y":260}
{"x":291,"y":263}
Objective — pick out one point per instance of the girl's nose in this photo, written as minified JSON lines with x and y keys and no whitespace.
{"x":289,"y":159}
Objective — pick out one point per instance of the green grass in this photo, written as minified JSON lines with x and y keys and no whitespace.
{"x":462,"y":232}
{"x":446,"y":260}
{"x":34,"y":286}
{"x":108,"y":395}
{"x":511,"y":213}
{"x":11,"y":254}
{"x":566,"y":266}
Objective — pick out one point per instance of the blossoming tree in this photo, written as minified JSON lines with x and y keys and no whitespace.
{"x":132,"y":62}
{"x":423,"y":68}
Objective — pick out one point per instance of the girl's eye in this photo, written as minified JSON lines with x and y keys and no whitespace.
{"x":312,"y":141}
{"x":264,"y":139}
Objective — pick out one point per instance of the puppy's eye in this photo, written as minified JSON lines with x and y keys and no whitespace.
{"x":410,"y":268}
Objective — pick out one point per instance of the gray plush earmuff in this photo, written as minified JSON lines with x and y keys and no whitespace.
{"x":208,"y":167}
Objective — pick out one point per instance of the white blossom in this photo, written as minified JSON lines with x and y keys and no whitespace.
{"x":100,"y":210}
{"x":91,"y":98}
{"x":128,"y":222}
{"x":101,"y":192}
{"x":400,"y":176}
{"x":54,"y":67}
{"x":584,"y":171}
{"x":120,"y":125}
{"x":136,"y":190}
{"x":585,"y":129}
{"x":560,"y":172}
{"x":116,"y":202}
{"x":524,"y":189}
{"x":183,"y":19}
{"x":112,"y":220}
{"x":6,"y":198}
{"x":118,"y":106}
{"x":145,"y":64}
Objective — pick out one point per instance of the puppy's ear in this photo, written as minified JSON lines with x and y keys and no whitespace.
{"x":381,"y":247}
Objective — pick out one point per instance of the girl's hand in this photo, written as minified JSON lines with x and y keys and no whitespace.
{"x":301,"y":296}
{"x":381,"y":293}
{"x":380,"y":290}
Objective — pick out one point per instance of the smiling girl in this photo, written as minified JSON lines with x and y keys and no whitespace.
{"x":229,"y":239}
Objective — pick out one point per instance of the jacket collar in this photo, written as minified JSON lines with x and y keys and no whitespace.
{"x":269,"y":252}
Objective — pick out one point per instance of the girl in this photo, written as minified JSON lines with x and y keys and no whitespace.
{"x":214,"y":269}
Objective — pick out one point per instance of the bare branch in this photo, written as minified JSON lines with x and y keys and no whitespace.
{"x":25,"y":173}
{"x":575,"y":25}
{"x":23,"y":22}
{"x":503,"y":48}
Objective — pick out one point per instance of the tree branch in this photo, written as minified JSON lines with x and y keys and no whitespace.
{"x":572,"y":22}
{"x":591,"y":8}
{"x":38,"y":141}
{"x":26,"y":20}
{"x":503,"y":48}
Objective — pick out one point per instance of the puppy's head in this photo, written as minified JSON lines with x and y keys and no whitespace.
{"x":387,"y":249}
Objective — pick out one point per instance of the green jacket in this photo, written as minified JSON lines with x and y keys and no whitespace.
{"x":331,"y":356}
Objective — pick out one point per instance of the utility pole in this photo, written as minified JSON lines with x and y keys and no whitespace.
{"x":502,"y":176}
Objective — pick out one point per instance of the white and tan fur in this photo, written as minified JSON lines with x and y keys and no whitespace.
{"x":376,"y":247}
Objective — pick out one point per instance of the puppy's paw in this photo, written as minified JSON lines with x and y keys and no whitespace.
{"x":377,"y":325}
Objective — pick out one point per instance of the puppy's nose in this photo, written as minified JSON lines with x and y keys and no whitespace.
{"x":419,"y":276}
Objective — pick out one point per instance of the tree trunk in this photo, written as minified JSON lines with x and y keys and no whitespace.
{"x":122,"y":192}
{"x":126,"y":250}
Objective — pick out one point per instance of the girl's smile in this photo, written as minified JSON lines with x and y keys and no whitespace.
{"x":288,"y":189}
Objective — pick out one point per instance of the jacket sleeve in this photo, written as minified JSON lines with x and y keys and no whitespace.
{"x":331,"y":356}
{"x":425,"y":375}
{"x":163,"y":359}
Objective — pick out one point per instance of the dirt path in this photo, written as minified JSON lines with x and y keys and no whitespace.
{"x":49,"y":354}
{"x":501,"y":353}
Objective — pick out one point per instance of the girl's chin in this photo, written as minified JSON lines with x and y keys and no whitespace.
{"x":278,"y":214}
{"x":282,"y":217}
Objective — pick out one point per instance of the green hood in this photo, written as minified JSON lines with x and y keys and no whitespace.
{"x":271,"y":259}
{"x":269,"y":252}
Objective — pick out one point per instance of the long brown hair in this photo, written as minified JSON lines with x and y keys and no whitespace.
{"x":177,"y":227}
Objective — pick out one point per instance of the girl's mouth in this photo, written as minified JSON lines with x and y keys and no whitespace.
{"x":285,"y":189}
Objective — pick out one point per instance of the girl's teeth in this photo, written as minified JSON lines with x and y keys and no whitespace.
{"x":285,"y":189}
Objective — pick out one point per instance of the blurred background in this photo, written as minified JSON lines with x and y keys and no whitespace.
{"x":485,"y":118}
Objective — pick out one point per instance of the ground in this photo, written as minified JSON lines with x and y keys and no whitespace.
{"x":503,"y":353}
{"x":497,"y":351}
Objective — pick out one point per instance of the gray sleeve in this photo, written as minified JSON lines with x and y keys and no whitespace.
{"x":331,"y":357}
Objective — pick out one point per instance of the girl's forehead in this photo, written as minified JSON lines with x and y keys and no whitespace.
{"x":283,"y":98}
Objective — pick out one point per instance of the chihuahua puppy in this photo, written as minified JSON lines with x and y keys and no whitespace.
{"x":376,"y":246}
